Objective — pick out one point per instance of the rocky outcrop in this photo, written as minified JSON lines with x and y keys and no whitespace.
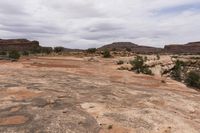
{"x":128,"y":46}
{"x":18,"y":44}
{"x":190,"y":48}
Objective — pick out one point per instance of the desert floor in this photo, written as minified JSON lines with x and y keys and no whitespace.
{"x":73,"y":95}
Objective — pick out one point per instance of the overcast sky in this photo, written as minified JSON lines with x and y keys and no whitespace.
{"x":93,"y":23}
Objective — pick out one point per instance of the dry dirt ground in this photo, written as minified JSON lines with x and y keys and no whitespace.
{"x":73,"y":95}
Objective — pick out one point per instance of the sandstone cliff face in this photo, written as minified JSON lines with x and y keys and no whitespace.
{"x":191,"y":48}
{"x":18,"y":44}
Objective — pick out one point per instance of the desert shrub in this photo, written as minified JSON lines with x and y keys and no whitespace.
{"x":177,"y":70}
{"x":110,"y":127}
{"x":147,"y":71}
{"x":91,"y":50}
{"x":123,"y":68}
{"x":47,"y":50}
{"x":139,"y":66}
{"x":3,"y":53}
{"x":163,"y":81}
{"x":59,"y":49}
{"x":174,"y":56}
{"x":35,"y":50}
{"x":114,"y":49}
{"x":25,"y":53}
{"x":120,"y":62}
{"x":14,"y":55}
{"x":128,"y":49}
{"x":195,"y":58}
{"x":145,"y":58}
{"x":158,"y":57}
{"x":106,"y":54}
{"x":193,"y":79}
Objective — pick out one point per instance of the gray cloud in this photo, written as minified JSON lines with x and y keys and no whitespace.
{"x":92,"y":23}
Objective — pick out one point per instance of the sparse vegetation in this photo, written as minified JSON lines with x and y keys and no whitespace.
{"x":123,"y":68}
{"x":177,"y":70}
{"x":128,"y":49}
{"x":139,"y":66}
{"x":163,"y":81}
{"x":3,"y":53}
{"x":120,"y":62}
{"x":114,"y":49}
{"x":14,"y":55}
{"x":193,"y":79}
{"x":25,"y":53}
{"x":145,"y":58}
{"x":59,"y":49}
{"x":91,"y":50}
{"x":106,"y":54}
{"x":158,"y":57}
{"x":110,"y":127}
{"x":47,"y":50}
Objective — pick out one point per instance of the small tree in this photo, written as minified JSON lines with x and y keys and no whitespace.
{"x":139,"y":66}
{"x":14,"y":55}
{"x":59,"y":49}
{"x":177,"y":69}
{"x":91,"y":50}
{"x":193,"y":79}
{"x":106,"y":54}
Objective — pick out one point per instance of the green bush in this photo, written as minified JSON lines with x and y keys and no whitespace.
{"x":106,"y":54}
{"x":139,"y":66}
{"x":91,"y":50}
{"x":177,"y":70}
{"x":59,"y":49}
{"x":193,"y":79}
{"x":3,"y":53}
{"x":14,"y":55}
{"x":25,"y":53}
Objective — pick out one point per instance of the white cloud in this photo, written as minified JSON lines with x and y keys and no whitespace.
{"x":91,"y":23}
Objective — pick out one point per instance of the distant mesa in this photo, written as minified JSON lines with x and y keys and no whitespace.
{"x":18,"y":44}
{"x":192,"y":48}
{"x":26,"y":45}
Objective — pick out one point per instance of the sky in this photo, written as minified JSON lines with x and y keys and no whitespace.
{"x":93,"y":23}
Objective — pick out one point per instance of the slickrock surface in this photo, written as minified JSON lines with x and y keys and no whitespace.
{"x":73,"y":95}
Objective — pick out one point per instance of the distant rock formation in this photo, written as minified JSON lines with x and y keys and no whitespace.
{"x":190,"y":48}
{"x":18,"y":45}
{"x":128,"y":46}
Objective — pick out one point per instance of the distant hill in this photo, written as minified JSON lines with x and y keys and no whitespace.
{"x":128,"y":46}
{"x":191,"y":48}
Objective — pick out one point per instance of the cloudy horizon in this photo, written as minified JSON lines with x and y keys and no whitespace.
{"x":93,"y":23}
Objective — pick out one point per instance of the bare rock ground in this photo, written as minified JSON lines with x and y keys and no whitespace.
{"x":73,"y":95}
